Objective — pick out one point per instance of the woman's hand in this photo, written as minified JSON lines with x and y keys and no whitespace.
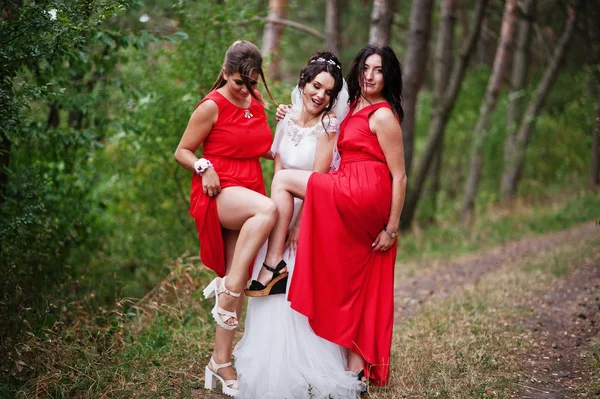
{"x":282,"y":109}
{"x":211,"y":185}
{"x":383,"y":241}
{"x":292,"y":240}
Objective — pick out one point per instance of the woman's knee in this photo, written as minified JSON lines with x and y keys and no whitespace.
{"x":269,"y":209}
{"x":279,"y":180}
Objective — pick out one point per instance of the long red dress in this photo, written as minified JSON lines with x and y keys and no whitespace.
{"x":342,"y":285}
{"x":237,"y":140}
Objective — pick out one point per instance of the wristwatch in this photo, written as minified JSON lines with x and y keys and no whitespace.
{"x":392,"y":234}
{"x":201,"y":165}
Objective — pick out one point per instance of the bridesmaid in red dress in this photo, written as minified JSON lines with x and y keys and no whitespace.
{"x":344,"y":276}
{"x":233,"y":216}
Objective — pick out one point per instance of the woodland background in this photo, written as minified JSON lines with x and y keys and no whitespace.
{"x":501,"y":139}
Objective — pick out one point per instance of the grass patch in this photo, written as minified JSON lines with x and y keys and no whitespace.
{"x":594,"y":362}
{"x":467,"y":346}
{"x":450,"y":239}
{"x":462,"y":347}
{"x":156,"y":347}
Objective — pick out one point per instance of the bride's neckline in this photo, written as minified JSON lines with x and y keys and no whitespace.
{"x":295,"y":122}
{"x":311,"y":122}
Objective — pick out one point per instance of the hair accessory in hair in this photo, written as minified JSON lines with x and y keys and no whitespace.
{"x":321,"y":59}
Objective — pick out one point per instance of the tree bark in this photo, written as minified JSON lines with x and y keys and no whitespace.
{"x":53,"y":117}
{"x":272,"y":37}
{"x":282,"y":22}
{"x":443,"y":61}
{"x":436,"y":172}
{"x":415,"y":67}
{"x":10,"y":8}
{"x":520,"y":64}
{"x":382,"y":17}
{"x":439,"y":118}
{"x":591,"y":15}
{"x":514,"y":166}
{"x":332,"y":26}
{"x":595,"y":164}
{"x":520,"y":67}
{"x":487,"y":42}
{"x":487,"y":107}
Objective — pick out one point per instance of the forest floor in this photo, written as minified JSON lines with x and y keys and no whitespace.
{"x":548,"y":304}
{"x":516,"y":320}
{"x":563,"y":318}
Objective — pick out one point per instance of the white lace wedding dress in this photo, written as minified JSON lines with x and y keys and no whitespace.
{"x":279,"y":356}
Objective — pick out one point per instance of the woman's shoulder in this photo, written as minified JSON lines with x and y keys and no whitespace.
{"x":209,"y":103}
{"x":384,"y":114}
{"x":213,"y":100}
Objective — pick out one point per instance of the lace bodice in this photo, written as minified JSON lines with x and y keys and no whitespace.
{"x":297,"y":146}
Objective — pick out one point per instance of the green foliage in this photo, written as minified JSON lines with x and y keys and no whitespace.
{"x":551,"y":165}
{"x":94,"y":208}
{"x":60,"y":61}
{"x":144,"y":191}
{"x":451,"y":238}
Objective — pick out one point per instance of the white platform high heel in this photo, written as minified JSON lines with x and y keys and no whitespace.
{"x":230,"y":387}
{"x":221,"y":316}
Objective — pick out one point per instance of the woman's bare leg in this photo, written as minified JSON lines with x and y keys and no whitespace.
{"x":355,"y":362}
{"x":254,"y":215}
{"x":286,"y":185}
{"x":224,"y":338}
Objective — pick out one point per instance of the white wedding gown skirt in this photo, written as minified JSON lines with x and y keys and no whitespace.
{"x":279,"y":355}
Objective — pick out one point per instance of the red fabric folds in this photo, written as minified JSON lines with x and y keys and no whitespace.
{"x":234,"y":146}
{"x":340,"y":283}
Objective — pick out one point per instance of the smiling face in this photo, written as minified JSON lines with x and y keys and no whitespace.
{"x":372,"y":84}
{"x":236,"y":86}
{"x":316,"y":94}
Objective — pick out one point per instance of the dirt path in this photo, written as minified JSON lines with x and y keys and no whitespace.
{"x":445,"y":280}
{"x":565,"y":319}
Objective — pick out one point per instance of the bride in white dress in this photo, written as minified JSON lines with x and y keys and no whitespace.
{"x":279,"y":356}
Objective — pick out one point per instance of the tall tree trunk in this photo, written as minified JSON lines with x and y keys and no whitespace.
{"x":520,"y":64}
{"x":595,"y":164}
{"x":434,"y":187}
{"x":53,"y":117}
{"x":332,"y":26}
{"x":5,"y":146}
{"x":487,"y":107}
{"x":439,"y":118}
{"x":487,"y":42}
{"x":382,"y":17}
{"x":514,"y":166}
{"x":272,"y":37}
{"x":593,"y":50}
{"x":415,"y":67}
{"x":520,"y":67}
{"x":443,"y":61}
{"x":10,"y":9}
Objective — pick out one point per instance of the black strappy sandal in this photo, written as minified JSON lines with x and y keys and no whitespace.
{"x":277,"y":285}
{"x":360,"y":377}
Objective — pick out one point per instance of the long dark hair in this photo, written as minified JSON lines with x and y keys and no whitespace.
{"x":242,"y":57}
{"x":392,"y":76}
{"x":324,"y":61}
